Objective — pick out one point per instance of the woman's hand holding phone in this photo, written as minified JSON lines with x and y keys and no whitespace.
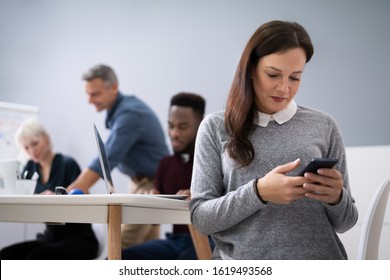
{"x":279,"y":188}
{"x":318,"y":181}
{"x":325,"y":184}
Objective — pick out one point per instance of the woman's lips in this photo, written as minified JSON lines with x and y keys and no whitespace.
{"x":278,"y":99}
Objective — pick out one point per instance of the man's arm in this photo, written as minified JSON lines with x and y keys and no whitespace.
{"x":84,"y":181}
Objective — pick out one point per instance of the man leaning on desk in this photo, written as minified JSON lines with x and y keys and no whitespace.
{"x":135,"y":145}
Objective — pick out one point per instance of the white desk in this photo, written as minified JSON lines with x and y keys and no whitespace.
{"x":114,"y":210}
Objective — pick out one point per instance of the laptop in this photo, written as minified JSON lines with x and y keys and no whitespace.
{"x":8,"y":176}
{"x":104,"y":165}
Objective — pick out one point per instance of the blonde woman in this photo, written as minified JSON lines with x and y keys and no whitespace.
{"x":61,"y":242}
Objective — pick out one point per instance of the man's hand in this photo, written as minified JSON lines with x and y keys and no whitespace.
{"x":185,"y":192}
{"x":47,"y":192}
{"x":85,"y":180}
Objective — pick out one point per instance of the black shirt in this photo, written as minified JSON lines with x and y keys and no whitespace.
{"x":64,"y":171}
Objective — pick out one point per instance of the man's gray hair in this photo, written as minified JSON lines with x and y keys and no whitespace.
{"x":103,"y":72}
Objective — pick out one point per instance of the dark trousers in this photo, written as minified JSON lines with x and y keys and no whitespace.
{"x":174,"y":247}
{"x":71,"y":248}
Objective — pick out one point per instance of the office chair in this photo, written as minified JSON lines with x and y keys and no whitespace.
{"x":100,"y":231}
{"x":372,"y":224}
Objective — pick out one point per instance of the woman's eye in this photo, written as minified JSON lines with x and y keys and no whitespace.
{"x":272,"y":75}
{"x":34,"y":144}
{"x":294,"y":78}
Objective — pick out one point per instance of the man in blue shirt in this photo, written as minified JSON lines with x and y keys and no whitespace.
{"x":136,"y":143}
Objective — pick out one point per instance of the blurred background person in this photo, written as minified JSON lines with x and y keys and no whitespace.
{"x":57,"y":242}
{"x":135,"y":145}
{"x":174,"y":177}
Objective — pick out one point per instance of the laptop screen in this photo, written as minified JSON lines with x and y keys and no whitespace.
{"x":104,"y":165}
{"x":8,"y":176}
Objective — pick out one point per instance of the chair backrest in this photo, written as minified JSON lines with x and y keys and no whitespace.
{"x":372,"y":224}
{"x":101,"y":232}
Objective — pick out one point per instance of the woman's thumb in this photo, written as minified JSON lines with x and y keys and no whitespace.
{"x":285,"y":168}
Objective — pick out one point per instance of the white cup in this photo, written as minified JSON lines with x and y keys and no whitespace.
{"x":25,"y":187}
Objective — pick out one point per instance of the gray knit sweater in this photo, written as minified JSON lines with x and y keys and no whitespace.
{"x":225,"y":205}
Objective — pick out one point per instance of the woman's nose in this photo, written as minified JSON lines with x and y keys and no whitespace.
{"x":283,"y":86}
{"x":32,"y":150}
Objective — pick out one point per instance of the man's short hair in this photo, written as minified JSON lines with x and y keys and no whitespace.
{"x":192,"y":100}
{"x":103,"y":72}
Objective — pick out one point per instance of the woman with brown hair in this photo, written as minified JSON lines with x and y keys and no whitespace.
{"x":245,"y":188}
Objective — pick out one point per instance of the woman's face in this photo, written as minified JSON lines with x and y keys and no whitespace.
{"x":37,"y":148}
{"x":276,"y":79}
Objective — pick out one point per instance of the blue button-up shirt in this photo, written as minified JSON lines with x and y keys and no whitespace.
{"x":136,"y":143}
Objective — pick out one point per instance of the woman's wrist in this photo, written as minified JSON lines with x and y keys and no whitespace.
{"x":256,"y":190}
{"x":337,"y":201}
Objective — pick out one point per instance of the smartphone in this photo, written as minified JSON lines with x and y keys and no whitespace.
{"x":318,"y":163}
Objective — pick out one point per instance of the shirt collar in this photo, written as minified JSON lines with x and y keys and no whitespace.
{"x":184,"y":157}
{"x":280,"y":117}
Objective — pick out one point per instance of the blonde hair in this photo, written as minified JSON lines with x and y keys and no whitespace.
{"x":29,"y":130}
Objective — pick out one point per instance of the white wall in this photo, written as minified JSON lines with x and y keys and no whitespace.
{"x":161,"y":47}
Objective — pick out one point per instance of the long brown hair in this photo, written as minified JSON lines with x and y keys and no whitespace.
{"x":271,"y":37}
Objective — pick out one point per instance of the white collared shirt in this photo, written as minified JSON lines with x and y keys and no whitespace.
{"x":280,"y":117}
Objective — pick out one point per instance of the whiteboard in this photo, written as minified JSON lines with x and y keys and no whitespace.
{"x":11,"y":116}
